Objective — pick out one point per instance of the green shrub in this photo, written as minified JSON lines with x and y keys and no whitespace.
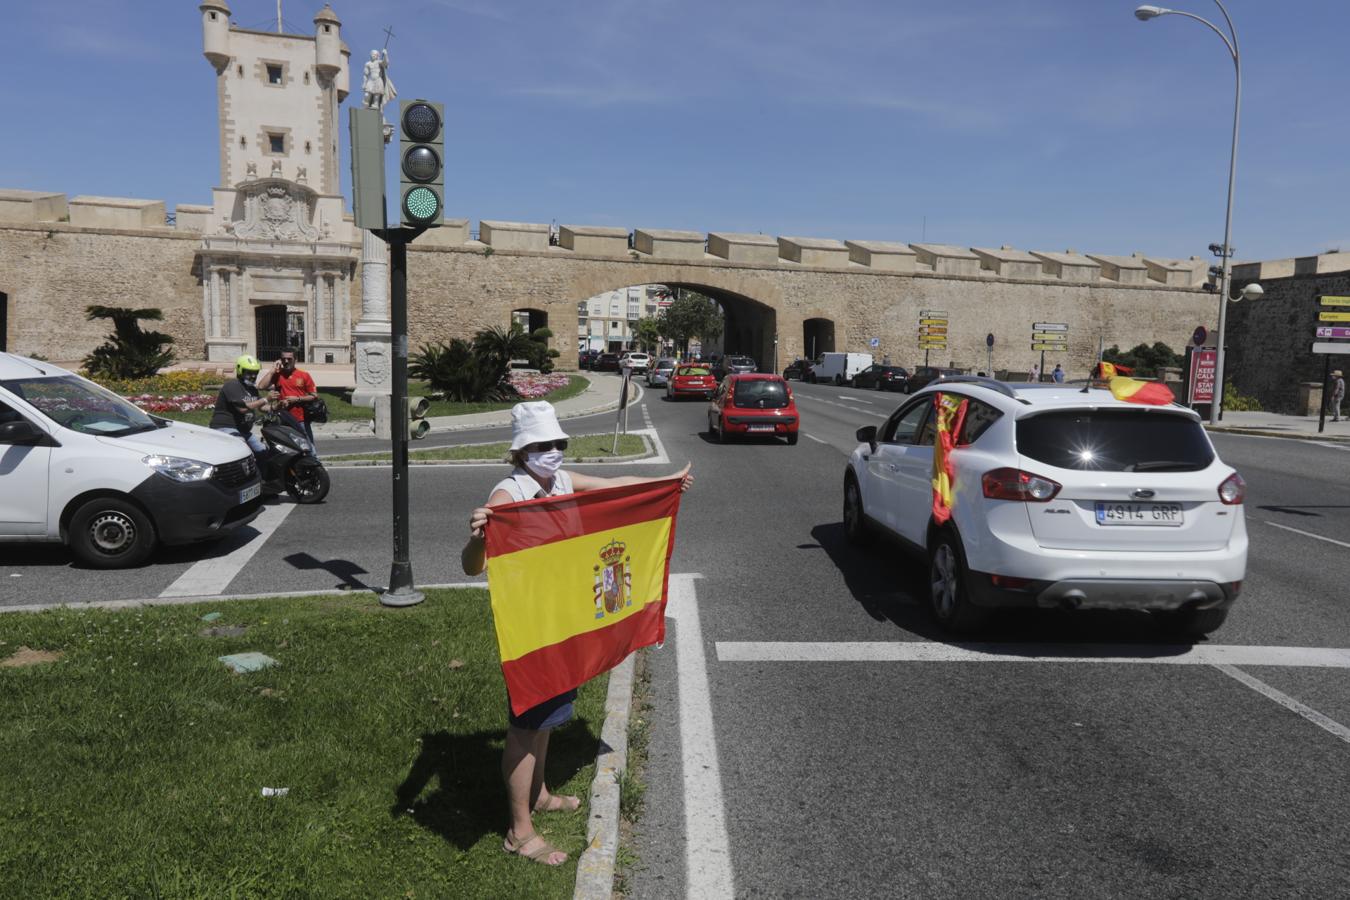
{"x":1235,"y":402}
{"x":460,"y":373}
{"x":129,"y":352}
{"x":1144,"y":360}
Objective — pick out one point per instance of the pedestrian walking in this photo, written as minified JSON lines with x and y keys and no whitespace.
{"x":537,"y":447}
{"x":1337,"y":394}
{"x":1035,"y":374}
{"x":1058,"y":374}
{"x":296,"y":388}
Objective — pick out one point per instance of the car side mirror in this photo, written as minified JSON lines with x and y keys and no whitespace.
{"x":21,"y":433}
{"x":868,"y":435}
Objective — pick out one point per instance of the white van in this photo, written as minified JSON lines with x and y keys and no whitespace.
{"x":839,"y":368}
{"x":79,"y":464}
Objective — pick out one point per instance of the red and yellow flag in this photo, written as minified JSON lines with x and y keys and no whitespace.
{"x":578,"y":582}
{"x":1132,"y":390}
{"x":949,"y":412}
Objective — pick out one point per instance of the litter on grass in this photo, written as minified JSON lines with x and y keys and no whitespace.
{"x":275,"y":792}
{"x":241,"y":663}
{"x":211,"y":617}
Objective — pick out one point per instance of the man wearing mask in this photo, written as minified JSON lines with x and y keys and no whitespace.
{"x":296,"y":388}
{"x":239,"y":401}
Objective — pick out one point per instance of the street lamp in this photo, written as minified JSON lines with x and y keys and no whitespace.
{"x":1230,"y":40}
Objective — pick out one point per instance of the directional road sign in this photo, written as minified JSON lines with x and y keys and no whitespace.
{"x":874,"y":343}
{"x":1333,"y":317}
{"x":932,"y":321}
{"x":933,"y":329}
{"x":1049,"y":346}
{"x":1334,"y":301}
{"x":1049,"y":336}
{"x":1333,"y":331}
{"x":1331,"y":349}
{"x":1050,"y":326}
{"x":934,"y":313}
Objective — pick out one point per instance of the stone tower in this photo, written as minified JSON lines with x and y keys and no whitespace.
{"x":275,"y":270}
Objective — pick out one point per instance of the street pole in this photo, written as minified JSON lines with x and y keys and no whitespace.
{"x":400,"y":591}
{"x":1040,"y":372}
{"x":1326,"y":377}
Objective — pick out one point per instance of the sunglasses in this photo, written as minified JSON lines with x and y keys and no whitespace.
{"x":547,"y":445}
{"x":288,"y":360}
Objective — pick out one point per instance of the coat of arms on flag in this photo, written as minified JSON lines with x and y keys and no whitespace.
{"x":578,"y":582}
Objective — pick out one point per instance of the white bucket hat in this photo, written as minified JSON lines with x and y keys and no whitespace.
{"x":532,"y":423}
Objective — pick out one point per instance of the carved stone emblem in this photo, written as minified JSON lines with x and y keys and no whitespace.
{"x":373,"y":364}
{"x":276,"y":210}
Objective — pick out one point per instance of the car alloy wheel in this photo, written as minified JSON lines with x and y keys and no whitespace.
{"x":855,"y":525}
{"x":943,"y":578}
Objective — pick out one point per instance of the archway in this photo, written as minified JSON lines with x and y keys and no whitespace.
{"x":750,"y":328}
{"x":530,"y":318}
{"x":817,"y":337}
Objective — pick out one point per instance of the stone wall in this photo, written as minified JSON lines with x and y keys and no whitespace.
{"x":52,"y":271}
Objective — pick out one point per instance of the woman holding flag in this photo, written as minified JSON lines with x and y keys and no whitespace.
{"x":537,"y":446}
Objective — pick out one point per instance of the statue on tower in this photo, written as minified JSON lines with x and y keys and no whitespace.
{"x":376,"y":85}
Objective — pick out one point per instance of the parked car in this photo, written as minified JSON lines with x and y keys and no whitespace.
{"x":660,"y":372}
{"x":922,"y":376}
{"x":607,"y":362}
{"x":586,"y":359}
{"x":799,"y":369}
{"x":635,"y":360}
{"x":733,"y":365}
{"x":755,"y":406}
{"x":1061,"y":498}
{"x":691,"y":381}
{"x":839,"y":368}
{"x":85,"y":467}
{"x":882,"y":378}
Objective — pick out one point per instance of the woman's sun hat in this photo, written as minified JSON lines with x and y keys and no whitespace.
{"x":533,"y":423}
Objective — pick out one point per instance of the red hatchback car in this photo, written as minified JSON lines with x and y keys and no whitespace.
{"x":753,"y":405}
{"x":691,"y":381}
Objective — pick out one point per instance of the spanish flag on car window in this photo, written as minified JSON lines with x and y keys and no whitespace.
{"x":578,"y":582}
{"x":1132,"y":390}
{"x":949,"y":414}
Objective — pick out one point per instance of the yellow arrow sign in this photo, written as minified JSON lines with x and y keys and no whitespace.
{"x":1049,"y":336}
{"x":932,"y":321}
{"x":1049,"y":347}
{"x":932,"y":343}
{"x":1333,"y":317}
{"x":933,"y":329}
{"x":1334,"y":301}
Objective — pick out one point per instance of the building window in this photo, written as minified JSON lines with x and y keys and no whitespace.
{"x":327,"y":28}
{"x":307,"y":147}
{"x":213,"y":17}
{"x":307,"y":76}
{"x":273,"y":74}
{"x":243,"y":142}
{"x":240,"y":70}
{"x":277,"y":142}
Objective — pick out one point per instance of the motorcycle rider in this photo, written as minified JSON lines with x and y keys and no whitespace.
{"x":238,"y":403}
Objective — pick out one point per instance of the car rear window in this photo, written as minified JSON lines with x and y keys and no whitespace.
{"x":1113,"y":440}
{"x":760,"y":394}
{"x":692,"y":370}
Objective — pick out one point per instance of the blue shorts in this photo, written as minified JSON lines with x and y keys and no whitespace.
{"x":549,"y":714}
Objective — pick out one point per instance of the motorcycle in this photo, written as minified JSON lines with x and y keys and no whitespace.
{"x":290,"y":464}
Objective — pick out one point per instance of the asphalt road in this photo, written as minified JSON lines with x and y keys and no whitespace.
{"x":885,"y":778}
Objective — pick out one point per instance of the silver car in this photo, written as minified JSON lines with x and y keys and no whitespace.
{"x":659,"y":374}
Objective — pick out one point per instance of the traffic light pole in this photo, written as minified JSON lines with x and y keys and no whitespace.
{"x":400,"y":591}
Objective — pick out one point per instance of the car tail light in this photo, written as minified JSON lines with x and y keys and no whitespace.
{"x":1233,"y":490}
{"x":1014,"y":484}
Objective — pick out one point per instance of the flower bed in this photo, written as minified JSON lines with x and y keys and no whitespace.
{"x":156,"y":403}
{"x":532,"y":387}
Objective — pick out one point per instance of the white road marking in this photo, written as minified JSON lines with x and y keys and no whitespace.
{"x":1137,"y":654}
{"x":852,"y":399}
{"x":213,"y":576}
{"x":707,"y":848}
{"x":816,"y":439}
{"x":1307,"y":534}
{"x":852,"y":409}
{"x":1288,"y":702}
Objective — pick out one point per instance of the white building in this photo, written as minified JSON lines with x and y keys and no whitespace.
{"x":606,"y":321}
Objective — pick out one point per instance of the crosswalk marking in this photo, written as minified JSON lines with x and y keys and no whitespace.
{"x":212,"y":576}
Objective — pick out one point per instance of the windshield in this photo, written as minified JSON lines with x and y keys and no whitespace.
{"x":693,"y":370}
{"x":1115,"y":440}
{"x":741,"y":361}
{"x":760,"y":394}
{"x":80,"y":405}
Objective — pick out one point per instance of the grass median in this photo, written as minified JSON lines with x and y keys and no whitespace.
{"x":135,"y":760}
{"x":586,"y":447}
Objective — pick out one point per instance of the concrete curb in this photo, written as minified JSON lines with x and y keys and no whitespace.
{"x":1292,"y":435}
{"x":595,"y":868}
{"x":649,"y":452}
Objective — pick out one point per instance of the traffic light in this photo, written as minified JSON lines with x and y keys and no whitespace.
{"x":367,"y":131}
{"x":415,"y":424}
{"x":421,"y":163}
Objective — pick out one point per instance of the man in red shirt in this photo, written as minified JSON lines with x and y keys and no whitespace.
{"x":296,"y":388}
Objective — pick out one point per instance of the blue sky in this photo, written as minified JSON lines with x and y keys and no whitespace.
{"x":1042,"y":124}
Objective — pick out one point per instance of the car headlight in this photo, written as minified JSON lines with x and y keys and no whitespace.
{"x":179,"y":469}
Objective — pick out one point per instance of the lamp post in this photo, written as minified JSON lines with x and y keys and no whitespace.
{"x":1230,"y":40}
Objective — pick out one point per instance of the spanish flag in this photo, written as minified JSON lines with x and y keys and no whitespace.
{"x":1132,"y":390}
{"x":578,"y":582}
{"x":950,"y":413}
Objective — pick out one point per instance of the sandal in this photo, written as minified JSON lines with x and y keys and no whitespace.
{"x":559,"y":803}
{"x":541,"y":853}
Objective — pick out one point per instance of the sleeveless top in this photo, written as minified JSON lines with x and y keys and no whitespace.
{"x":522,"y":486}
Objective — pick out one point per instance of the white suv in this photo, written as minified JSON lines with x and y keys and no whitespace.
{"x":1063,"y":497}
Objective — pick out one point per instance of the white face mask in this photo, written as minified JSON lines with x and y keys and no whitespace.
{"x":545,"y":463}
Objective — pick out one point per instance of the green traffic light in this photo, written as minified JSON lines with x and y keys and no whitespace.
{"x":422,"y":204}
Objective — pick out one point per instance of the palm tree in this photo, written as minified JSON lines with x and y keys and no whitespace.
{"x":498,"y":346}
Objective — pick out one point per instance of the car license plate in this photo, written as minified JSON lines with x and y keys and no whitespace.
{"x":250,"y":493}
{"x":1139,"y":513}
{"x":759,"y":428}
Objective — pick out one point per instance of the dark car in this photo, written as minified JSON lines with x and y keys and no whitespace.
{"x":922,"y":376}
{"x":733,"y":365}
{"x":586,"y":358}
{"x":882,"y":378}
{"x":799,"y":369}
{"x":607,"y":362}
